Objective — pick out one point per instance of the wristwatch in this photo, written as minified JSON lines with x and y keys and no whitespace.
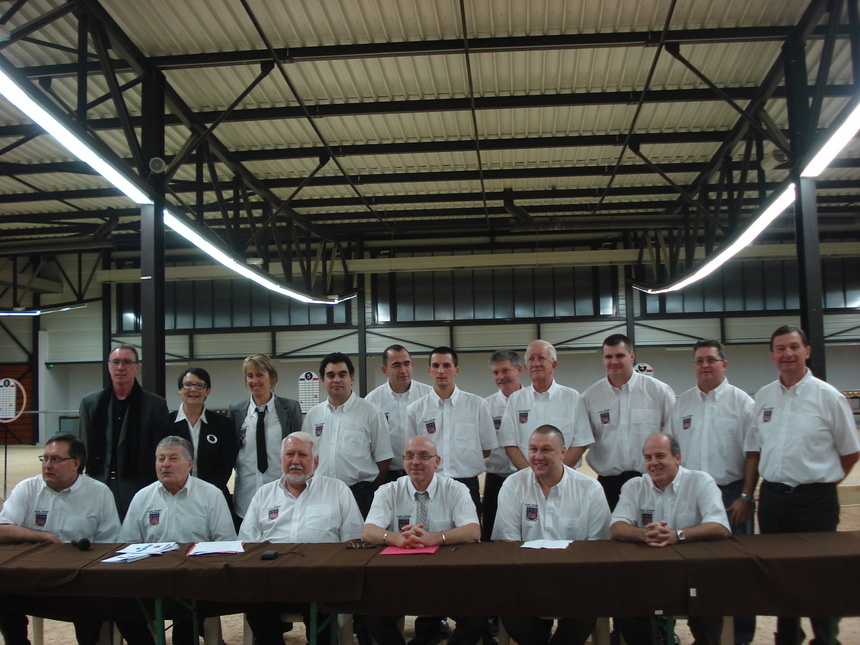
{"x":746,"y":497}
{"x":681,"y":536}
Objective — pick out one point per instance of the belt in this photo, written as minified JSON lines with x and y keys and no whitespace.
{"x":786,"y":489}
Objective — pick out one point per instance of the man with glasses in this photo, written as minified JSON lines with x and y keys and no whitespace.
{"x":60,"y":505}
{"x":121,"y":425}
{"x":422,"y":509}
{"x":299,"y":507}
{"x":711,"y":422}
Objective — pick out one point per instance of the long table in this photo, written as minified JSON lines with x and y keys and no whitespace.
{"x":792,"y":574}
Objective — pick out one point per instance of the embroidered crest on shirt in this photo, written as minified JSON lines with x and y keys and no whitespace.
{"x":531,"y":512}
{"x":242,"y":434}
{"x":211,"y":438}
{"x":403,"y":521}
{"x":686,"y":421}
{"x":41,"y":518}
{"x":154,"y":517}
{"x":318,"y":428}
{"x":430,"y":426}
{"x":497,"y":422}
{"x":273,"y":513}
{"x":524,"y":416}
{"x":766,"y":415}
{"x":604,"y":417}
{"x":647,"y":516}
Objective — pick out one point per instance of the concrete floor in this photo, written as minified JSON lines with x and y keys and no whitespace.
{"x":22,"y":461}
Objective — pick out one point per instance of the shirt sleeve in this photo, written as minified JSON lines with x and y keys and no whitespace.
{"x":462,"y":507}
{"x":250,"y":530}
{"x":222,"y":528}
{"x":842,"y":426}
{"x":351,"y":524}
{"x":381,"y":510}
{"x":626,"y":511}
{"x":131,"y":530}
{"x":666,"y":407}
{"x":380,"y":439}
{"x":108,"y":529}
{"x":15,"y":508}
{"x":710,"y":501}
{"x":411,"y":428}
{"x":599,"y":517}
{"x":486,"y":429}
{"x":507,"y":524}
{"x":582,"y":435}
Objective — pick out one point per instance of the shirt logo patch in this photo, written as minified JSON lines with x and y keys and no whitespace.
{"x":273,"y":513}
{"x":497,"y":421}
{"x":686,"y":421}
{"x":318,"y":428}
{"x":524,"y":416}
{"x":402,"y":522}
{"x":430,"y":426}
{"x":766,"y":415}
{"x":604,"y":417}
{"x":242,"y":434}
{"x":41,"y":518}
{"x":531,"y":512}
{"x":647,"y":516}
{"x":154,"y":517}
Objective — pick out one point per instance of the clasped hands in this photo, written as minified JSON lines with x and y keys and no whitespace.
{"x":413,"y":536}
{"x":659,"y":534}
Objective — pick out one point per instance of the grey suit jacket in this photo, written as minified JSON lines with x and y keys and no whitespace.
{"x":289,"y":415}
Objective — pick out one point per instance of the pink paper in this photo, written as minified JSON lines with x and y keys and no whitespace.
{"x":396,"y":550}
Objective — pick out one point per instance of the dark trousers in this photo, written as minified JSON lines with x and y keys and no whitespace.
{"x":809,"y":508}
{"x":474,"y":491}
{"x":637,"y":631}
{"x":363,"y":494}
{"x":531,"y":630}
{"x":265,"y":622}
{"x":384,"y":631}
{"x":744,"y":625}
{"x":13,"y":627}
{"x":612,"y":486}
{"x":490,"y":502}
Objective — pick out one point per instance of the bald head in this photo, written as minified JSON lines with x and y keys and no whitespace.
{"x":420,"y":460}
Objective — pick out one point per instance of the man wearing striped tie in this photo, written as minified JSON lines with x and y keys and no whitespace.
{"x":422,"y":509}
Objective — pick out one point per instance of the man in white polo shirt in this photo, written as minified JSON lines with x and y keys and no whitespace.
{"x":552,"y":501}
{"x":422,"y":509}
{"x":302,"y":506}
{"x":669,"y":505}
{"x":60,"y":505}
{"x":393,"y":397}
{"x":807,"y":435}
{"x":543,"y":402}
{"x":458,"y":422}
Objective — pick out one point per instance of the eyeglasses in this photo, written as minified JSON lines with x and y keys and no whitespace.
{"x":707,"y":361}
{"x":115,"y":362}
{"x":353,"y":544}
{"x":422,"y":457}
{"x":195,"y":386}
{"x":53,"y":459}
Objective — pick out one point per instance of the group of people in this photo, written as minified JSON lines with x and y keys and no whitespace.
{"x":400,"y":467}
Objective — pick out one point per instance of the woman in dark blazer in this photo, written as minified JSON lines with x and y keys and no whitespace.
{"x":212,"y":434}
{"x":263,"y":415}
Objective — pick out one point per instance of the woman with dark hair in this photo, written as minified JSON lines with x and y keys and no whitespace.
{"x":211,"y":434}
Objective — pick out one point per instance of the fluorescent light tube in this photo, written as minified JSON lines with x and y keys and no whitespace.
{"x":834,"y":144}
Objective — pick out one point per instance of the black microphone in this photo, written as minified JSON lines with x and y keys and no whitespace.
{"x":83,"y":544}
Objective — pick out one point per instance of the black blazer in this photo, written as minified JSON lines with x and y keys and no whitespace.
{"x":216,"y":448}
{"x":289,"y":414}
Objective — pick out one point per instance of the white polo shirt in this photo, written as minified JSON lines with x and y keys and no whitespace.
{"x":450,"y":507}
{"x":352,"y":437}
{"x":712,"y":428}
{"x":394,"y":406}
{"x":324,"y":512}
{"x":559,"y":406}
{"x":197,"y":513}
{"x":498,"y":462}
{"x":86,"y":509}
{"x":461,"y":428}
{"x":622,"y":418}
{"x":802,"y":431}
{"x":692,"y":498}
{"x":575,"y":509}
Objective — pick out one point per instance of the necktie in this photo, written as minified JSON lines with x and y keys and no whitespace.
{"x":262,"y":459}
{"x":422,"y":498}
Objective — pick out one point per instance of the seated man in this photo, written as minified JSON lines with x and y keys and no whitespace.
{"x":669,"y":505}
{"x":549,"y":500}
{"x":60,"y":505}
{"x":176,"y":508}
{"x":299,"y":507}
{"x":422,"y":509}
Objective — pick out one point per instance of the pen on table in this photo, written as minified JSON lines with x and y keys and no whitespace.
{"x":453,"y":548}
